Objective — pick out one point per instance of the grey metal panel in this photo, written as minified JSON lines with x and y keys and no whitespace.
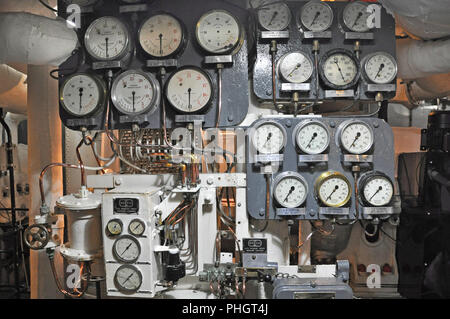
{"x":311,"y":288}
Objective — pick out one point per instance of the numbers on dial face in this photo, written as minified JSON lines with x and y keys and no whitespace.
{"x":106,"y":38}
{"x":137,"y":227}
{"x":356,"y":16}
{"x":334,"y":191}
{"x":290,"y":192}
{"x":378,"y":191}
{"x":273,"y":17}
{"x":381,"y":68}
{"x":161,"y":35}
{"x":128,"y":278}
{"x":357,"y":138}
{"x":218,"y":32}
{"x":340,"y":69}
{"x":268,"y":139}
{"x":114,"y":227}
{"x":316,"y":16}
{"x":80,"y":95}
{"x":189,"y":90}
{"x":127,"y":249}
{"x":313,"y":138}
{"x":296,"y":67}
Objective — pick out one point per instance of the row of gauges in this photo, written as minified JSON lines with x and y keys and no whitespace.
{"x":332,"y":189}
{"x":315,"y":16}
{"x":313,"y":137}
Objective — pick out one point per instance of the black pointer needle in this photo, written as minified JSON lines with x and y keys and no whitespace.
{"x":129,"y":277}
{"x":357,"y":18}
{"x":273,"y":17}
{"x":160,"y":44}
{"x":189,"y":94}
{"x":126,"y":249}
{"x":315,"y":18}
{"x":298,"y":66}
{"x":106,"y":40}
{"x":134,"y":95}
{"x":358,"y":135}
{"x":339,"y":68}
{"x":269,"y":136}
{"x":379,"y":190}
{"x":81,"y":97}
{"x":312,"y":139}
{"x":381,"y":68}
{"x":335,"y":189}
{"x":290,"y":192}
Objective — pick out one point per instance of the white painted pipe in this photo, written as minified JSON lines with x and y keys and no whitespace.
{"x":13,"y":90}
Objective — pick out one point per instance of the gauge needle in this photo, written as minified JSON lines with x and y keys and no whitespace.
{"x":380,"y":69}
{"x":290,"y":192}
{"x":126,"y":249}
{"x":134,"y":95}
{"x":379,"y":190}
{"x":339,"y":68}
{"x":129,"y":277}
{"x":358,"y":135}
{"x":269,"y":136}
{"x":106,"y":40}
{"x":334,"y":190}
{"x":189,"y":96}
{"x":160,"y":44}
{"x":298,"y":66}
{"x":136,"y":227}
{"x":81,"y":98}
{"x":228,"y":46}
{"x":315,"y":18}
{"x":273,"y":17}
{"x":312,"y":139}
{"x":357,"y":18}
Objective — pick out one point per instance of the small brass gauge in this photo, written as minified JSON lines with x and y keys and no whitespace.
{"x":127,"y":249}
{"x":380,"y":68}
{"x":339,"y":69}
{"x":273,"y":15}
{"x":376,"y":189}
{"x":290,"y":190}
{"x":316,"y":16}
{"x":128,"y":279}
{"x":296,"y":67}
{"x":312,"y":137}
{"x":356,"y":16}
{"x":333,"y":189}
{"x":355,"y":137}
{"x":137,"y":227}
{"x":114,"y":227}
{"x":269,"y":138}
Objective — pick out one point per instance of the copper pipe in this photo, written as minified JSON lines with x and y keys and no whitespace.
{"x":80,"y":161}
{"x":94,"y":153}
{"x":44,"y":171}
{"x":76,"y":293}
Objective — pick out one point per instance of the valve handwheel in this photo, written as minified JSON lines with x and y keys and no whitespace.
{"x":36,"y":237}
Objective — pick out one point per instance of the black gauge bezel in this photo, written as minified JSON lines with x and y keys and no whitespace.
{"x":122,"y":259}
{"x":123,"y":289}
{"x":365,"y":179}
{"x":323,"y":77}
{"x":140,"y":221}
{"x":116,"y":220}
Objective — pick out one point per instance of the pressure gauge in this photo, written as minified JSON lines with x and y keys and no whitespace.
{"x":380,"y":68}
{"x":274,"y":16}
{"x":137,"y":227}
{"x":296,"y":67}
{"x":269,"y":138}
{"x":290,"y":190}
{"x":376,"y":189}
{"x":189,"y":90}
{"x":135,"y":92}
{"x":333,"y":189}
{"x":82,"y":94}
{"x":218,"y":32}
{"x":128,"y":279}
{"x":312,"y":137}
{"x":107,"y":38}
{"x":356,"y":137}
{"x":316,"y":16}
{"x":126,"y":249}
{"x":339,"y":69}
{"x":356,"y":16}
{"x":114,"y":227}
{"x":161,"y":35}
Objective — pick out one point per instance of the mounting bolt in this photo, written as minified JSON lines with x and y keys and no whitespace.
{"x":118,"y":181}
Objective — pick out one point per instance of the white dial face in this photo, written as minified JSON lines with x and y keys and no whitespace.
{"x":356,"y":16}
{"x":114,"y":227}
{"x":128,"y":278}
{"x":137,"y":227}
{"x":269,"y":139}
{"x":313,"y":138}
{"x":381,"y":68}
{"x":106,"y":38}
{"x":273,"y":17}
{"x":340,"y":69}
{"x":334,"y":192}
{"x":316,"y":16}
{"x":189,"y":90}
{"x":378,"y":191}
{"x":127,"y":249}
{"x":81,"y":95}
{"x":296,"y":67}
{"x":357,"y":138}
{"x":290,"y":192}
{"x":133,"y":93}
{"x":161,"y":35}
{"x":218,"y":32}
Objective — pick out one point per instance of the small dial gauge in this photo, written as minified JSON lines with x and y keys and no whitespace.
{"x":137,"y":227}
{"x":82,"y":94}
{"x":273,"y":16}
{"x":107,"y":38}
{"x":161,"y":35}
{"x":290,"y":190}
{"x":189,"y":90}
{"x":376,"y":189}
{"x":296,"y":67}
{"x":316,"y":16}
{"x":312,"y":137}
{"x":269,"y":138}
{"x":333,"y":189}
{"x":356,"y":16}
{"x":339,"y":69}
{"x":135,"y":92}
{"x":380,"y":68}
{"x":127,"y":249}
{"x":128,"y":279}
{"x":356,"y":137}
{"x":114,"y":227}
{"x":218,"y":32}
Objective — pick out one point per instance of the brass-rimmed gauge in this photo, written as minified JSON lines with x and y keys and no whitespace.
{"x":107,"y":39}
{"x":356,"y":16}
{"x":137,"y":227}
{"x":312,"y":137}
{"x":218,"y":32}
{"x":128,"y":279}
{"x":376,"y":189}
{"x":127,"y":249}
{"x":273,"y":15}
{"x":339,"y":69}
{"x":290,"y":190}
{"x":114,"y":227}
{"x":355,"y":136}
{"x":162,"y":35}
{"x":380,"y":68}
{"x":333,"y":189}
{"x":269,"y":137}
{"x":82,"y":94}
{"x":296,"y":67}
{"x":316,"y":16}
{"x":135,"y":92}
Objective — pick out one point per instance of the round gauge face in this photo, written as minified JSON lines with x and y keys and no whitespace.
{"x":274,"y":17}
{"x":313,"y":138}
{"x":356,"y":16}
{"x":137,"y":227}
{"x":106,"y":39}
{"x":291,"y":191}
{"x":380,"y":68}
{"x":356,"y":137}
{"x":114,"y":227}
{"x":334,"y":190}
{"x":316,"y":16}
{"x":128,"y":278}
{"x":378,"y":191}
{"x":269,"y":138}
{"x":340,"y":70}
{"x":135,"y":92}
{"x":189,"y":90}
{"x":296,"y":67}
{"x":218,"y":32}
{"x":161,"y":35}
{"x":81,"y":95}
{"x":127,"y":249}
